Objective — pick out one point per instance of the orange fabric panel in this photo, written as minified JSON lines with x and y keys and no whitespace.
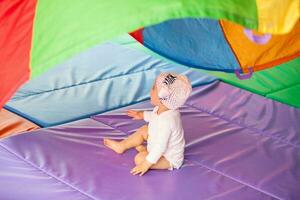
{"x":261,"y":51}
{"x":11,"y":123}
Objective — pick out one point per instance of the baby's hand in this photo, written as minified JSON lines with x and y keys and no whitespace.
{"x":141,"y":168}
{"x":136,"y":115}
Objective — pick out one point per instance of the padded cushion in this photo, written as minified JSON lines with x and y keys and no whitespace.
{"x":228,"y":155}
{"x":280,"y":83}
{"x":11,"y":123}
{"x":105,"y":77}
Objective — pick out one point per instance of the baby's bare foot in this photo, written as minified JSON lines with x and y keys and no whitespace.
{"x":114,"y":145}
{"x":141,"y":148}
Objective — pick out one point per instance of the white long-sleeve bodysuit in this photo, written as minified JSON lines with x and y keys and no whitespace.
{"x":165,"y":137}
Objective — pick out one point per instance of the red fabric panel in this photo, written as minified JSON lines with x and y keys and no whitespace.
{"x":138,"y":35}
{"x":16,"y":21}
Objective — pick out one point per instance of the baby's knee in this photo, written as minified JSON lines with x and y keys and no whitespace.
{"x":144,"y":128}
{"x":140,"y":157}
{"x":144,"y":131}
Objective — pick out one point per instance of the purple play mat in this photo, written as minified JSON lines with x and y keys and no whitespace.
{"x":238,"y":146}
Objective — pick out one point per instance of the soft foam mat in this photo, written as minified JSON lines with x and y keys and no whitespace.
{"x":105,"y":77}
{"x":238,"y":146}
{"x":11,"y":123}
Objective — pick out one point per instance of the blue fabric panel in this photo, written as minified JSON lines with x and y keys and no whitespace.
{"x":199,"y":43}
{"x":105,"y":77}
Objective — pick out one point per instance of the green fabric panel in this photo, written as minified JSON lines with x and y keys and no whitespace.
{"x":289,"y":96}
{"x":279,"y":83}
{"x":64,"y":28}
{"x":132,"y":43}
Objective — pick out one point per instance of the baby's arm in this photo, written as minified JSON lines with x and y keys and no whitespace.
{"x":147,"y":115}
{"x":139,"y":115}
{"x":136,"y":115}
{"x":161,"y":143}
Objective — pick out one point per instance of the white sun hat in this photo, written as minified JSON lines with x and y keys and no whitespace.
{"x":173,"y":89}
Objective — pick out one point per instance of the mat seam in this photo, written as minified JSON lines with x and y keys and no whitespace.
{"x":214,"y":170}
{"x":255,"y":130}
{"x":45,"y":172}
{"x":112,"y":126}
{"x":236,"y":180}
{"x":85,"y":83}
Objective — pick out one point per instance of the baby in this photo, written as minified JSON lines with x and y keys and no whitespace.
{"x":164,"y":133}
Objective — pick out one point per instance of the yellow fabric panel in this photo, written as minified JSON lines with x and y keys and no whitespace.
{"x":278,"y":49}
{"x":11,"y":124}
{"x":277,"y":16}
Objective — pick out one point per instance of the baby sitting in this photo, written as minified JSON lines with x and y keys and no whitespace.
{"x":164,"y":133}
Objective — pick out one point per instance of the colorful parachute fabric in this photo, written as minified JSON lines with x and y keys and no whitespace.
{"x":36,"y":35}
{"x":280,"y":83}
{"x":219,"y":45}
{"x":261,"y":51}
{"x":238,"y":145}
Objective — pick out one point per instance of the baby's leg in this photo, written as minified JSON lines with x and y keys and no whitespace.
{"x":133,"y":140}
{"x":162,"y":163}
{"x":141,"y":148}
